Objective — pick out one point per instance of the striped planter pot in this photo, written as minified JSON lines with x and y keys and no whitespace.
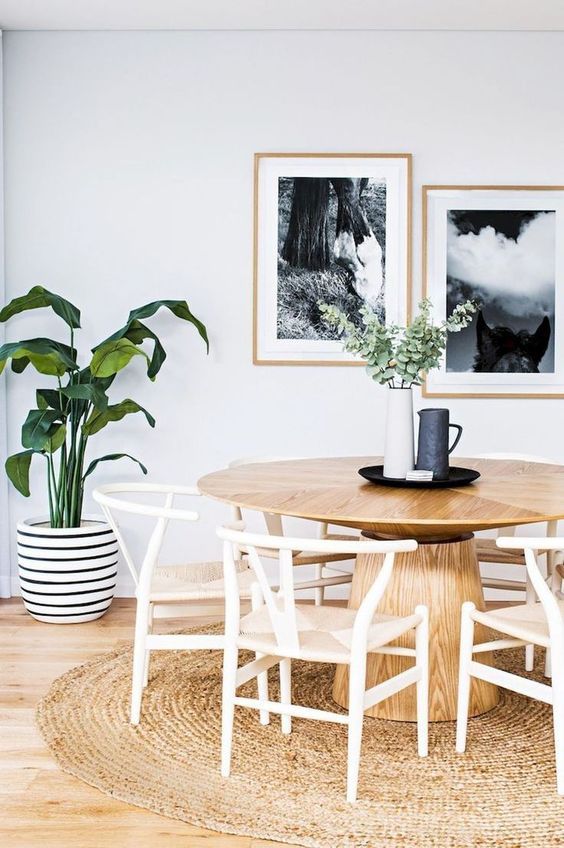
{"x":67,"y":575}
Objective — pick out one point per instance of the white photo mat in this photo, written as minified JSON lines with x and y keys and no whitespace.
{"x":395,"y":169}
{"x":437,"y":202}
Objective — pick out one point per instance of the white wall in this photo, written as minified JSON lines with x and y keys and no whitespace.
{"x":5,"y":529}
{"x":128,"y":176}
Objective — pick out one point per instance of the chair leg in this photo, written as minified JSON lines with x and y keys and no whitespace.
{"x":357,"y":687}
{"x":148,"y":652}
{"x":530,"y":598}
{"x":558,"y":719}
{"x":464,"y":680}
{"x":556,"y":586}
{"x":139,"y":659}
{"x":262,"y":678}
{"x":286,"y":692}
{"x":422,"y":661}
{"x":319,"y":591}
{"x":262,"y":686}
{"x":230,"y":662}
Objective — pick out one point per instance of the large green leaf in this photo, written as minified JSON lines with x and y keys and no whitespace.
{"x":57,"y":437}
{"x":17,"y":469}
{"x":38,"y":297}
{"x":137,"y":332}
{"x":115,"y":412}
{"x":111,"y":457}
{"x":87,"y":391}
{"x":51,"y":398}
{"x":111,"y":356}
{"x":46,"y":356}
{"x":39,"y":428}
{"x":85,"y":376}
{"x":18,"y":365}
{"x":178,"y":307}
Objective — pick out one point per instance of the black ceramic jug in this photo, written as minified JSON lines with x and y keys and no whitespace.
{"x":433,"y":448}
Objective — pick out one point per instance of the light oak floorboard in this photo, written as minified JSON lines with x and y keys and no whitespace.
{"x":40,"y":805}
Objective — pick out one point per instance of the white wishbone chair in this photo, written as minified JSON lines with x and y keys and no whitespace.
{"x":489,"y":552}
{"x":279,"y":630}
{"x":166,"y":591}
{"x":323,"y":576}
{"x":539,"y":623}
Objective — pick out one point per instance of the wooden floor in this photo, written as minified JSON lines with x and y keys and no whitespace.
{"x":39,"y":805}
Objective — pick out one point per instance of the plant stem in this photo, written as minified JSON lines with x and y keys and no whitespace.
{"x":62,"y":493}
{"x":76,"y":496}
{"x":51,"y":513}
{"x":53,"y":494}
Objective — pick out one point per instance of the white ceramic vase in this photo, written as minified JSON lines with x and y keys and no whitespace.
{"x":399,"y":445}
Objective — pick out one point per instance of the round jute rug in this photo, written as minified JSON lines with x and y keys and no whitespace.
{"x":502,"y":792}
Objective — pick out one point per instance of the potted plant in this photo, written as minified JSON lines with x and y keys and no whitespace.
{"x":68,"y":560}
{"x":398,"y":357}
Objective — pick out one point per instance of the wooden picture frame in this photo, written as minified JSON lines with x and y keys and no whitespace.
{"x":503,"y":245}
{"x":281,"y":333}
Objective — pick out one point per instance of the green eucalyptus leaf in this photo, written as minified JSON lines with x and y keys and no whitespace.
{"x":111,"y":457}
{"x":111,"y":356}
{"x":17,"y":469}
{"x":99,"y":419}
{"x":39,"y":297}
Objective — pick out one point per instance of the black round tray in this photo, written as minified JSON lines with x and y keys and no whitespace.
{"x":456,"y":477}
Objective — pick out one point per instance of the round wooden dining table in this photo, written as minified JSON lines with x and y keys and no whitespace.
{"x":442,"y":573}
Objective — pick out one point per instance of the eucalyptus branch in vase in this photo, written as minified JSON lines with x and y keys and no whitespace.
{"x":398,"y":357}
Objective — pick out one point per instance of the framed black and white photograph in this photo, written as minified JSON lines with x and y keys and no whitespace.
{"x":503,"y":248}
{"x":332,"y":228}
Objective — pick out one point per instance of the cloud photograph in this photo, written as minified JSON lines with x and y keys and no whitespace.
{"x":505,"y":261}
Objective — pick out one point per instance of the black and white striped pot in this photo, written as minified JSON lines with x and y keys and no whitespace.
{"x":67,"y":575}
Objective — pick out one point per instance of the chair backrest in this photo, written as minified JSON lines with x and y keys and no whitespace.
{"x":530,"y":545}
{"x":111,"y":503}
{"x":521,"y":457}
{"x":281,"y":605}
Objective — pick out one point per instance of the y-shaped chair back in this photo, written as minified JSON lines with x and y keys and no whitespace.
{"x":537,"y":623}
{"x":111,"y":504}
{"x":315,"y":634}
{"x":174,"y":591}
{"x":280,"y":603}
{"x":548,"y":598}
{"x":487,"y":552}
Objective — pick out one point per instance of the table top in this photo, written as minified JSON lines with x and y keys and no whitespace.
{"x":508,"y":493}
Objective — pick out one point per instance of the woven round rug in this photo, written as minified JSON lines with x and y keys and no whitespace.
{"x":502,"y":792}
